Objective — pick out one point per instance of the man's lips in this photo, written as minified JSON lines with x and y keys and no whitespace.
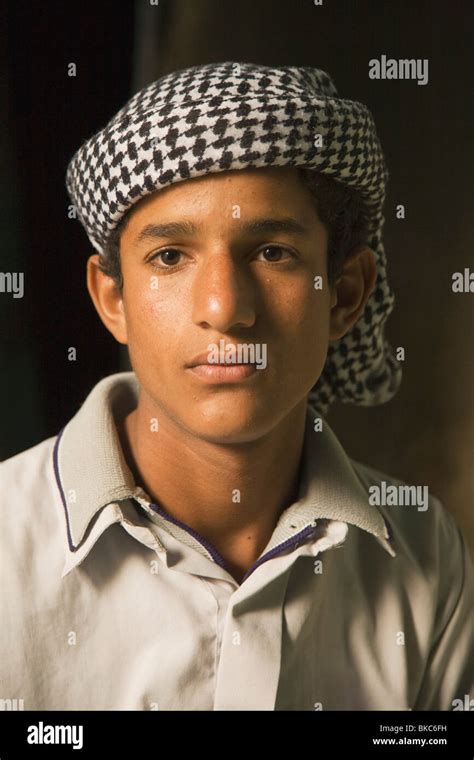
{"x":219,"y":372}
{"x":203,"y":359}
{"x":223,"y":373}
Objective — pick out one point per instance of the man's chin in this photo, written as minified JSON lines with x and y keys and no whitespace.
{"x":235,"y":423}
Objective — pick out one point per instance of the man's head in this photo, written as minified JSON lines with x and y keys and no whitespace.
{"x":191,"y":125}
{"x":237,"y":280}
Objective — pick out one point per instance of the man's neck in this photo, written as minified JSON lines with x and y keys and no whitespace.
{"x":232,"y":495}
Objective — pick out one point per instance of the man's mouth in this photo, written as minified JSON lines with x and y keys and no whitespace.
{"x":229,"y":363}
{"x":223,"y":373}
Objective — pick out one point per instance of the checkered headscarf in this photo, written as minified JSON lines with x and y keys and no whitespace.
{"x":224,"y":116}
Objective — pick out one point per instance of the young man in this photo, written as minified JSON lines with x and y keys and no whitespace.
{"x":173,"y":547}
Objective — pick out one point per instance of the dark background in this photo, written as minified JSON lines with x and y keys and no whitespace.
{"x":425,"y":434}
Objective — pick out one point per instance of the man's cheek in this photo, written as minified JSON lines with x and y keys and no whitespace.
{"x":160,"y":306}
{"x":144,"y":310}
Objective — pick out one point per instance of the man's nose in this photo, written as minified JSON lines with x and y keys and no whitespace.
{"x":224,"y":295}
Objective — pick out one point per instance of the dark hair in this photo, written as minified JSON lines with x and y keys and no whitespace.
{"x":342,"y":211}
{"x":339,"y":207}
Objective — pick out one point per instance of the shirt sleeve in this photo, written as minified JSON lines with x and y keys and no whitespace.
{"x":448,"y":680}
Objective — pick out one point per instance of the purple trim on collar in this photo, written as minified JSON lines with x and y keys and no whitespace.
{"x":277,"y":549}
{"x":213,"y":552}
{"x":218,"y":557}
{"x":60,"y":488}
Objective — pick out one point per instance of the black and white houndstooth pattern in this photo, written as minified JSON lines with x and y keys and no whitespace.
{"x":223,"y":116}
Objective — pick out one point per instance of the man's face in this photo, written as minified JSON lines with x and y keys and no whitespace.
{"x":226,"y":282}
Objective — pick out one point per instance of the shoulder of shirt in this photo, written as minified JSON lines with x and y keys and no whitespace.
{"x":26,"y":466}
{"x":423,"y":538}
{"x":29,"y":499}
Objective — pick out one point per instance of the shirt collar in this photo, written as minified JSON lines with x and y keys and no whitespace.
{"x":89,"y":464}
{"x":91,"y":471}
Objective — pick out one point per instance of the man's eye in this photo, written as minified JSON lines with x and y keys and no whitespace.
{"x":276,"y":253}
{"x":170,"y":257}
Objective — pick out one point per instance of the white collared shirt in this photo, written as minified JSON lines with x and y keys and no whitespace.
{"x":108,"y":602}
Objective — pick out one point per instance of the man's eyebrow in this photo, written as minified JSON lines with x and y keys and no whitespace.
{"x":166,"y":229}
{"x":268,"y":226}
{"x":252,"y":227}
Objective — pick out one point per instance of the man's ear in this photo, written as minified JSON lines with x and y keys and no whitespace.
{"x":351,"y":291}
{"x":107,"y":299}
